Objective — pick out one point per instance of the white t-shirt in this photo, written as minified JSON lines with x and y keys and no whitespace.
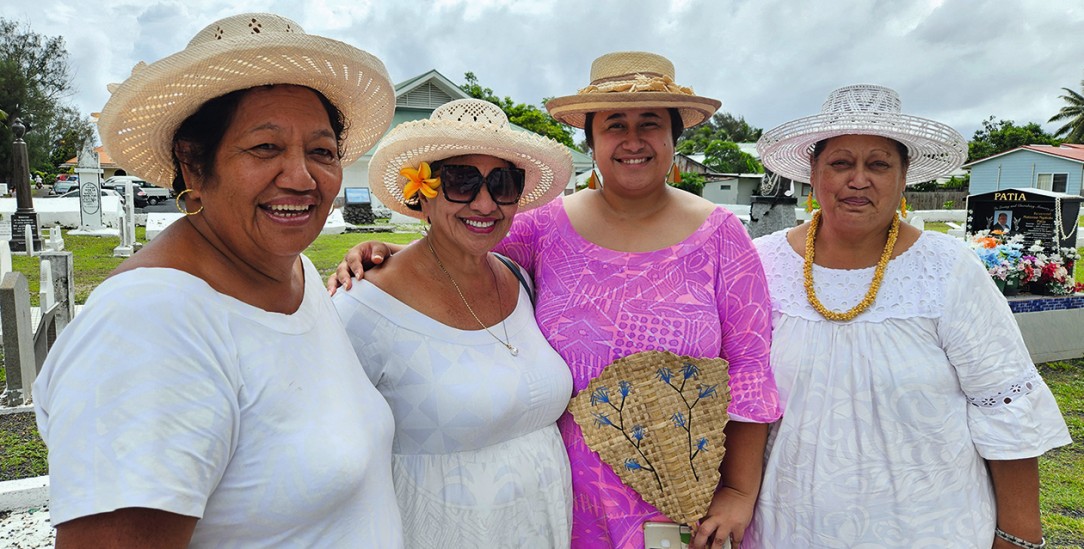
{"x":166,"y":394}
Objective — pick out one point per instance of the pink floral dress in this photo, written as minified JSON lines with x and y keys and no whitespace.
{"x":705,"y":296}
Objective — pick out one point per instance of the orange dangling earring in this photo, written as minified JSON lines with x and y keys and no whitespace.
{"x":592,"y":182}
{"x":673,"y":177}
{"x":809,"y":201}
{"x":903,"y":207}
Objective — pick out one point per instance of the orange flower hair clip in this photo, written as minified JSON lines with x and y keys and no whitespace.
{"x":420,"y":180}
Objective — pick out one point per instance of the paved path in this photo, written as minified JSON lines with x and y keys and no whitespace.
{"x":27,"y":530}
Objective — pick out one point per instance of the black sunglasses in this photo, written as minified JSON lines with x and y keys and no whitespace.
{"x":462,"y":183}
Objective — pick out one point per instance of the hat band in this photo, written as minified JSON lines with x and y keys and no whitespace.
{"x":638,"y":83}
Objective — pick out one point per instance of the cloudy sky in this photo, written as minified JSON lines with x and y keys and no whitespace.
{"x":958,"y":61}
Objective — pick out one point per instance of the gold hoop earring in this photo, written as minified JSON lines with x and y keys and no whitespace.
{"x":183,"y":209}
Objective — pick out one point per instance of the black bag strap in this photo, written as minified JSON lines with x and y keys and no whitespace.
{"x":512,"y":266}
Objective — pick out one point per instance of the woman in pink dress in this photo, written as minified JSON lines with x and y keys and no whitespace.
{"x":634,"y":264}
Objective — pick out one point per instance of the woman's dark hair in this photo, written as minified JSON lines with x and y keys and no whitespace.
{"x":676,"y":126}
{"x":819,"y":148}
{"x":198,"y":137}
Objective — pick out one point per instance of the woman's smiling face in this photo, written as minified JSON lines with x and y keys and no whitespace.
{"x":633,"y":148}
{"x":276,"y":173}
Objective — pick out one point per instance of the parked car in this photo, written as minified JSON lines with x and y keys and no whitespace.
{"x":61,"y":187}
{"x":74,"y":193}
{"x":152,"y":193}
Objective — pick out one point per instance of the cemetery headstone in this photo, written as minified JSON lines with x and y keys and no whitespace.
{"x":358,"y":206}
{"x":63,"y":282}
{"x":1049,"y":217}
{"x":19,"y":363}
{"x":90,"y":189}
{"x":24,"y":217}
{"x":773,"y":208}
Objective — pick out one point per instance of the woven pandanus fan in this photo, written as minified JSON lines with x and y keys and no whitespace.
{"x":657,"y":420}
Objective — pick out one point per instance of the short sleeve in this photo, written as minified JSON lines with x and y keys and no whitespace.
{"x":1011,"y":412}
{"x":137,"y":409}
{"x":360,"y":322}
{"x":745,"y":314}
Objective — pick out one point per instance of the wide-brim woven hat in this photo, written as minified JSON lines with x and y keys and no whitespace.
{"x":143,"y":113}
{"x":657,"y":420}
{"x":632,"y":80}
{"x":934,"y":149}
{"x":463,"y":127}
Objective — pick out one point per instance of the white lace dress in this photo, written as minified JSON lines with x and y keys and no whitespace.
{"x":887,"y":419}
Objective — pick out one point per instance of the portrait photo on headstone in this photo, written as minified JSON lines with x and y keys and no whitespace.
{"x":1002,"y":221}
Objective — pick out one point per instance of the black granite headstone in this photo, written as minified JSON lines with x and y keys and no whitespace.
{"x":1033,"y":213}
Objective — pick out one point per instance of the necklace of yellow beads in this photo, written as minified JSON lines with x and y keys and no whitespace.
{"x":878,"y":272}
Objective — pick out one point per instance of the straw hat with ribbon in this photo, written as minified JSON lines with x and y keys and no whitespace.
{"x":142,"y":115}
{"x":657,"y":420}
{"x":462,"y":127}
{"x":632,"y":80}
{"x":934,"y":149}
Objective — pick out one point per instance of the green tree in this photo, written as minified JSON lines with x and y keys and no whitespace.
{"x":1073,"y":114}
{"x":722,"y":126}
{"x":1004,"y":135}
{"x":691,"y":182}
{"x":34,"y":83}
{"x":726,"y":157}
{"x":525,"y":116}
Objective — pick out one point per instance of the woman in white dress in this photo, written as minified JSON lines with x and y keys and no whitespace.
{"x":913,"y":416}
{"x":446,"y":332}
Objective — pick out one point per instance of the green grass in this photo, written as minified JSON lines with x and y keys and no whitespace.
{"x":1061,"y":499}
{"x":328,"y":250}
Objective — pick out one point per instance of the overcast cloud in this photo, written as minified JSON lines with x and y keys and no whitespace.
{"x":958,"y":61}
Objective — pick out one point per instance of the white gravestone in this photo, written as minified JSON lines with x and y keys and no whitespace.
{"x":90,"y":189}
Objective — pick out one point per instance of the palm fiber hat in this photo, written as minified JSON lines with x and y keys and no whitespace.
{"x":462,"y":127}
{"x":934,"y":149}
{"x":143,"y":113}
{"x":632,"y":80}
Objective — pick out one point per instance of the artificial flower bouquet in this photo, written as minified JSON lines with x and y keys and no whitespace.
{"x":1054,"y":272}
{"x":1012,"y":266}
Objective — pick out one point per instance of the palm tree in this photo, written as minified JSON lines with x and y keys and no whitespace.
{"x":1074,"y":114}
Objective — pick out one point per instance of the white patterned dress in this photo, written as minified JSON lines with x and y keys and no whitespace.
{"x":477,"y":459}
{"x":888,"y":418}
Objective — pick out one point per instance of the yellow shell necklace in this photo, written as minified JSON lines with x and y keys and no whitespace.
{"x":878,"y":272}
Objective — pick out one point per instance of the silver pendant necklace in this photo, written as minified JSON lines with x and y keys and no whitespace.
{"x":500,"y":303}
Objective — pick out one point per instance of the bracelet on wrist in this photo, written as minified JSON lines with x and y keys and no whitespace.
{"x":1019,"y":542}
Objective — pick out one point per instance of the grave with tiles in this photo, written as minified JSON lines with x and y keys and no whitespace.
{"x":1050,"y":324}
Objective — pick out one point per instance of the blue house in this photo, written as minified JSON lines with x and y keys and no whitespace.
{"x":1045,"y":167}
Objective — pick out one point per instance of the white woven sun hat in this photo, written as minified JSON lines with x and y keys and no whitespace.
{"x":462,"y":127}
{"x":143,"y":113}
{"x":632,"y":80}
{"x":934,"y":148}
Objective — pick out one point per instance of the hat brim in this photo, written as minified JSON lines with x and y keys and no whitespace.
{"x":573,"y":109}
{"x":547,"y":164}
{"x":934,"y":149}
{"x":139,"y":121}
